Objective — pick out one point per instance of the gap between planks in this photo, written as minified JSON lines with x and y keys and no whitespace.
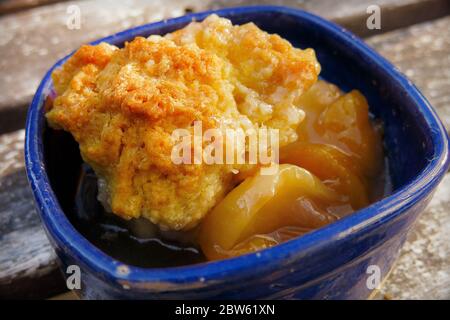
{"x":421,"y":51}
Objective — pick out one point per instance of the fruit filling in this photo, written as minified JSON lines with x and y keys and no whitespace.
{"x":123,"y":105}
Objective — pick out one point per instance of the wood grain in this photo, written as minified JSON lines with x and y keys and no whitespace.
{"x":28,"y":267}
{"x":8,"y":6}
{"x":31,"y":41}
{"x":423,"y":268}
{"x":352,"y":14}
{"x":421,"y":51}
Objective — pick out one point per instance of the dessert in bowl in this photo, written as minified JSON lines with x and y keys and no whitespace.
{"x":122,"y":98}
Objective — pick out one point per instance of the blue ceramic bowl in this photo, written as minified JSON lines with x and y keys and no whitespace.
{"x":330,"y":263}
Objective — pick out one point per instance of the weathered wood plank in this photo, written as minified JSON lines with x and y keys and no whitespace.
{"x":352,"y":14}
{"x":31,"y":41}
{"x":8,"y":6}
{"x":28,"y":267}
{"x":423,"y":269}
{"x":421,"y":51}
{"x":395,"y":15}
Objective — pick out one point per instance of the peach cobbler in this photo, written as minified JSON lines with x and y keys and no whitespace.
{"x":122,"y":105}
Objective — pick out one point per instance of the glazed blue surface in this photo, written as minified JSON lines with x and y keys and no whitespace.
{"x":329,"y":263}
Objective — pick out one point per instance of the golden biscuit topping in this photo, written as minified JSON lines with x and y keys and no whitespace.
{"x":122,"y":106}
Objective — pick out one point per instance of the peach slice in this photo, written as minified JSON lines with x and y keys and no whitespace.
{"x":262,"y":204}
{"x":335,"y":168}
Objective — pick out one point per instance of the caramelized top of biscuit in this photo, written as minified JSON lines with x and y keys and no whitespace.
{"x":122,"y":105}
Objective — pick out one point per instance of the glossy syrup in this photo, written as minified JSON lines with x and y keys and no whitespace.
{"x":75,"y":185}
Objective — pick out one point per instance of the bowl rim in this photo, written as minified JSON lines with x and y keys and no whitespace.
{"x":70,"y":240}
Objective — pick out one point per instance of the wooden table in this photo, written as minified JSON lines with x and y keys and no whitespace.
{"x":414,"y":35}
